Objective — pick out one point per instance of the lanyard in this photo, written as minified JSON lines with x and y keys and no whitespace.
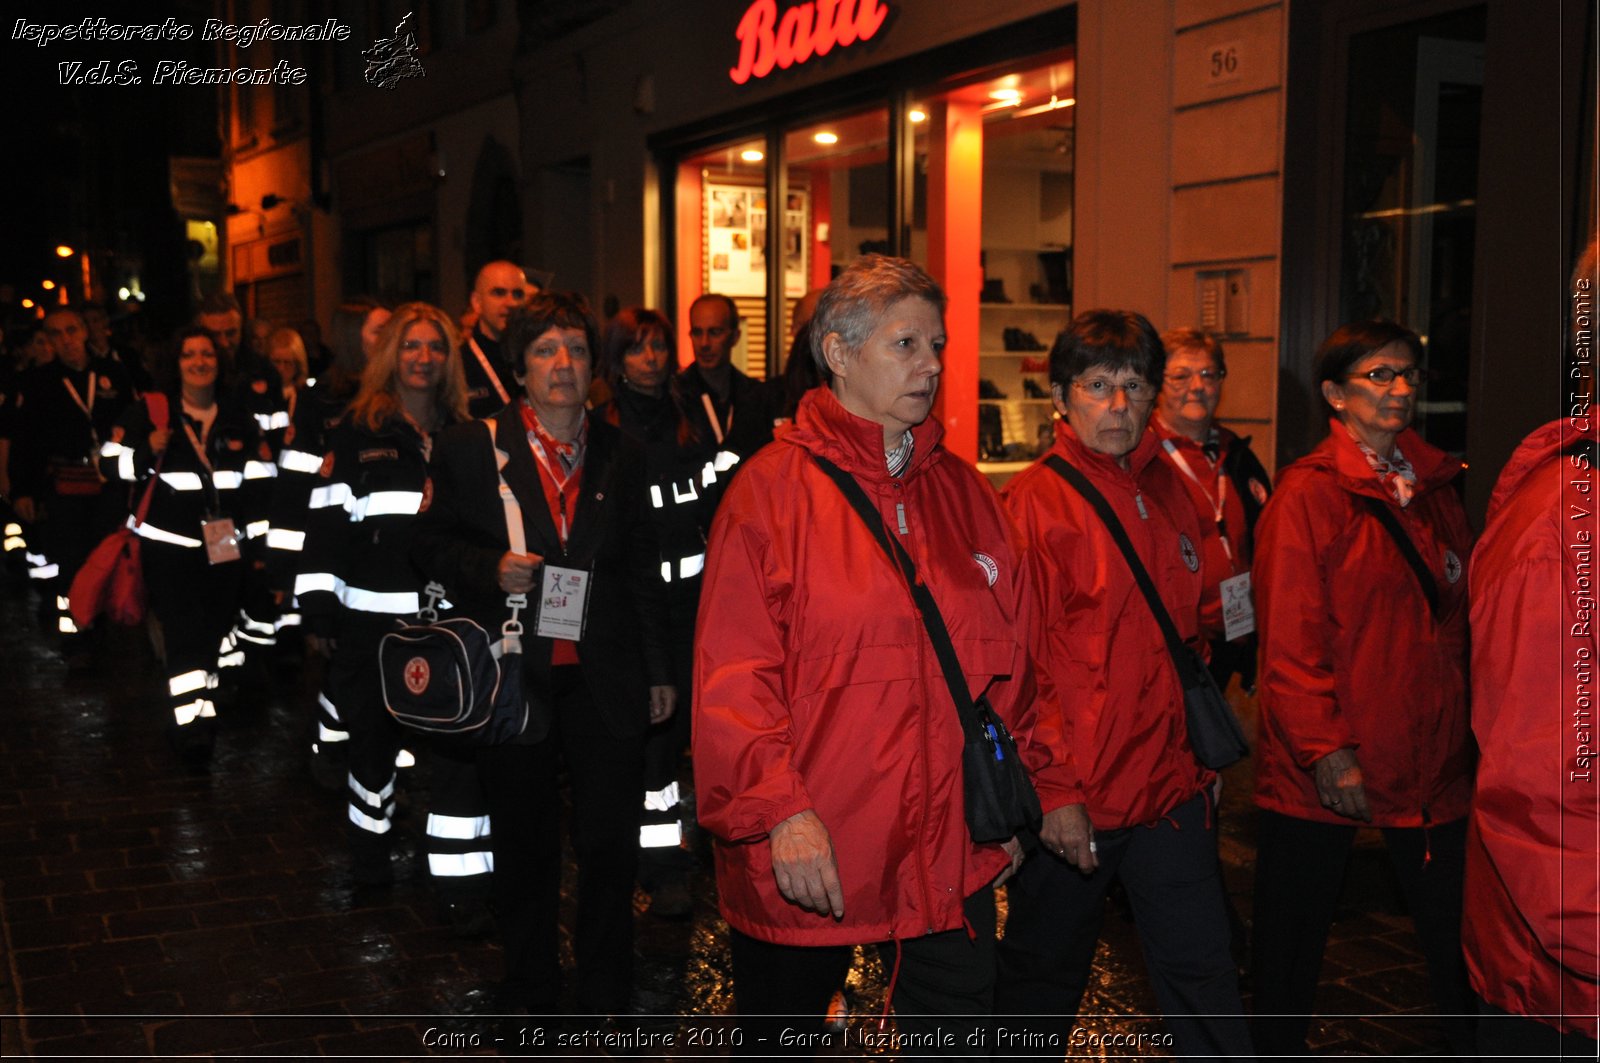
{"x":213,"y":500}
{"x":711,"y":414}
{"x":566,"y":483}
{"x":1216,"y":500}
{"x":488,"y":370}
{"x":88,"y":410}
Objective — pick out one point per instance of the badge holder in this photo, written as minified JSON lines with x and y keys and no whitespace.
{"x":221,"y":539}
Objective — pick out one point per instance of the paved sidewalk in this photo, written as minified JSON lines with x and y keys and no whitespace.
{"x":151,"y":912}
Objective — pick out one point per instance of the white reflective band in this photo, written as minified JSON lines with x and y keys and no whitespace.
{"x":691,"y":566}
{"x":259,"y":470}
{"x":309,"y":582}
{"x":299,"y":461}
{"x":459,"y":865}
{"x":13,"y":528}
{"x":125,"y":469}
{"x":725,"y":460}
{"x":286,"y":539}
{"x":111,"y":450}
{"x":368,"y":823}
{"x":328,"y":707}
{"x":231,"y":660}
{"x":150,"y":531}
{"x":43,"y":572}
{"x":663,"y":799}
{"x":370,"y":799}
{"x":36,"y":559}
{"x":63,"y":602}
{"x":258,"y":640}
{"x":256,"y":529}
{"x":276,"y":419}
{"x":378,"y":601}
{"x":194,"y":710}
{"x":328,"y":734}
{"x":459,"y":827}
{"x":65,"y":625}
{"x":227,"y":479}
{"x":660,"y":835}
{"x":287,"y":620}
{"x":708,"y":475}
{"x":666,"y":572}
{"x":655,"y":496}
{"x":182,"y":481}
{"x":404,"y":759}
{"x":199,"y":679}
{"x":329,"y":495}
{"x":680,"y":498}
{"x":15,"y":542}
{"x":252,"y":624}
{"x":385,"y":503}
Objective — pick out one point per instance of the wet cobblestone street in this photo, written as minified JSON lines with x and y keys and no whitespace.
{"x":148,"y":911}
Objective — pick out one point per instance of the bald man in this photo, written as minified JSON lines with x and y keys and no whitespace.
{"x":500,"y":288}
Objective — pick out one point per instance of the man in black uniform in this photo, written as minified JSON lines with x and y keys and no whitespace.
{"x":65,"y":410}
{"x":500,"y":288}
{"x":728,"y":406}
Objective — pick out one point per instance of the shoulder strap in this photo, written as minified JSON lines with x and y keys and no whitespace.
{"x":932,"y":619}
{"x":1408,"y":550}
{"x":1141,"y":576}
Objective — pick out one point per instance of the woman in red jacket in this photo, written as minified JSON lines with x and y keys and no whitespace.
{"x":1143,"y":803}
{"x":827,"y":745}
{"x":1360,"y":559}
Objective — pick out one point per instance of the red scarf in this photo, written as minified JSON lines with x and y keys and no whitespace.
{"x":560,"y":465}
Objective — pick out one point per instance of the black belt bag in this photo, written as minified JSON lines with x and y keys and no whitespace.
{"x":1000,"y":799}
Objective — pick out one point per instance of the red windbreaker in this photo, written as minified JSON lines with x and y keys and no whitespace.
{"x":1100,"y":652}
{"x":1531,"y":931}
{"x":1350,"y":653}
{"x":816,"y":685}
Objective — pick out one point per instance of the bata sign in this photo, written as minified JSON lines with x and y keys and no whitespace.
{"x":808,"y":29}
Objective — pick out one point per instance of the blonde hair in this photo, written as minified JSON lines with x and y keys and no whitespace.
{"x":378,"y":400}
{"x":288,"y":339}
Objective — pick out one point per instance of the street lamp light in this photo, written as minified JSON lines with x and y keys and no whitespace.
{"x":63,"y":251}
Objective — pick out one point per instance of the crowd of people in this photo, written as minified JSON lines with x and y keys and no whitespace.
{"x":793,"y":577}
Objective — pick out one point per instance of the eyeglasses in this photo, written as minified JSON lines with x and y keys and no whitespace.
{"x":1180,"y":378}
{"x":1101,"y":390}
{"x":1384,"y":375}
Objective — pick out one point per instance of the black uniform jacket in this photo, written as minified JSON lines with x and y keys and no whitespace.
{"x":462,"y":537}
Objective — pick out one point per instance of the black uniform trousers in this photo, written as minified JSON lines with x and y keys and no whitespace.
{"x":194,"y":602}
{"x":73,"y":525}
{"x":522,"y":781}
{"x":1300,"y":868}
{"x":943,"y":987}
{"x":1174,"y":886}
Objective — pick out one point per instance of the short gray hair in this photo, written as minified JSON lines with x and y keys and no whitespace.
{"x":858,"y":297}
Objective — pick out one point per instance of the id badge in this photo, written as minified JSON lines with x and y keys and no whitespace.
{"x":1238,"y":611}
{"x":222,"y":541}
{"x":563,"y":603}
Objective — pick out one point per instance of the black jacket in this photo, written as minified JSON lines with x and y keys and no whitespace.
{"x":462,"y":537}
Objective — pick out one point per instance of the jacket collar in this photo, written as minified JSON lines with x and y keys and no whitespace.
{"x":1339,"y":453}
{"x":1542,"y":444}
{"x":515,"y":460}
{"x":824,"y":427}
{"x":1070,"y":447}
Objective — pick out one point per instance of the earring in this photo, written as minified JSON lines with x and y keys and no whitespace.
{"x":1338,"y":405}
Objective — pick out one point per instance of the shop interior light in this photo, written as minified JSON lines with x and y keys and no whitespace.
{"x":63,"y":251}
{"x":1007,"y":95}
{"x":122,"y":294}
{"x":48,"y":285}
{"x":752,"y":155}
{"x":27,"y":304}
{"x":826,"y":138}
{"x":918,"y":115}
{"x":1055,"y":104}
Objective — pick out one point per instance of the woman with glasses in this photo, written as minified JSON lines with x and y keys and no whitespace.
{"x":1142,"y":806}
{"x":1228,"y":487}
{"x":1360,"y":585}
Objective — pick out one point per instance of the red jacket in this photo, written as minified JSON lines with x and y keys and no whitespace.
{"x":1531,"y":931}
{"x":816,"y":685}
{"x":1100,"y":652}
{"x":1350,"y":653}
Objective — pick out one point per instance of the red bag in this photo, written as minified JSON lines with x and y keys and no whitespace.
{"x":111,"y":580}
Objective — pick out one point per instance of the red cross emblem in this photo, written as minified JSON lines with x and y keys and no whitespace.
{"x":416,"y":675}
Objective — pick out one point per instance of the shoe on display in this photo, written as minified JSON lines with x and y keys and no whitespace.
{"x":988,"y":390}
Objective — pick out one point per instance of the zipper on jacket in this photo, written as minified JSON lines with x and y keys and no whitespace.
{"x":1138,"y":500}
{"x":900,"y":516}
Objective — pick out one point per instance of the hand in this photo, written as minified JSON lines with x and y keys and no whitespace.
{"x":519,"y":572}
{"x":1013,"y":849}
{"x":1066,"y":832}
{"x":322,"y":645}
{"x":803,"y":864}
{"x":25,"y":510}
{"x":159,"y":439}
{"x":662,"y":701}
{"x":1340,"y":787}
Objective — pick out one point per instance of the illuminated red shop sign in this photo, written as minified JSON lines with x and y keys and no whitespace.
{"x":808,"y":29}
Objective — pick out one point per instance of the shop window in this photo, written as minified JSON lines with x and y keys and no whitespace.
{"x":722,"y":235}
{"x":992,"y":216}
{"x":1412,"y":136}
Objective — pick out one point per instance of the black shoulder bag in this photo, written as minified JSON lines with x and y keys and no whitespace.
{"x":1214,"y":731}
{"x":1000,"y":798}
{"x":1408,"y":550}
